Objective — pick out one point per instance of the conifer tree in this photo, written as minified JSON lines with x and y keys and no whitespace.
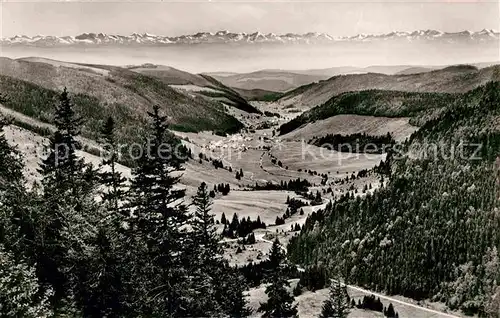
{"x":68,"y":213}
{"x":103,"y":293}
{"x":20,"y":292}
{"x":12,"y":195}
{"x":107,"y":269}
{"x":250,"y":239}
{"x":337,"y":304}
{"x":203,"y":223}
{"x":158,"y":220}
{"x":11,"y":169}
{"x":112,"y":181}
{"x":280,"y":302}
{"x":391,"y":313}
{"x":234,"y":222}
{"x":213,"y":278}
{"x":205,"y":258}
{"x":62,"y":167}
{"x":230,"y":291}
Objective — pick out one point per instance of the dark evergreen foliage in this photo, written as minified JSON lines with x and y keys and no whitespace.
{"x":203,"y":226}
{"x":223,"y":188}
{"x":212,"y":277}
{"x":112,"y":181}
{"x":435,"y":228}
{"x":390,"y":313}
{"x":372,"y":103}
{"x":297,"y":185}
{"x":314,"y":277}
{"x":66,"y":204}
{"x":12,"y":196}
{"x":280,"y":302}
{"x":241,"y":228}
{"x":127,"y":255}
{"x":338,"y":303}
{"x":371,"y":303}
{"x":432,"y":232}
{"x":158,"y":220}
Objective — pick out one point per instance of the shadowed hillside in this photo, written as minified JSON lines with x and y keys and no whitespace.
{"x":32,"y":85}
{"x":453,"y":79}
{"x":272,"y":80}
{"x":372,"y":103}
{"x":259,"y":94}
{"x":198,"y":84}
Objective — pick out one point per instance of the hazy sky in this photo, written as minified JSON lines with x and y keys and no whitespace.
{"x":184,"y":17}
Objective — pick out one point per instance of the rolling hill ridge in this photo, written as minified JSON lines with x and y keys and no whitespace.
{"x":31,"y":86}
{"x":199,"y":84}
{"x":452,"y":79}
{"x":372,"y":103}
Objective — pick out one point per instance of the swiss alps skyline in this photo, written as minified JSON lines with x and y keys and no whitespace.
{"x":225,"y":36}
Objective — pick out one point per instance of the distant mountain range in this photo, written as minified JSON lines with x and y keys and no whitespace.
{"x":222,"y":37}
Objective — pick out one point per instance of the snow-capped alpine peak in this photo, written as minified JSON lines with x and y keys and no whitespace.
{"x":225,"y":36}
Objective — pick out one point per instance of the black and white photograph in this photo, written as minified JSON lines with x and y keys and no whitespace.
{"x":250,"y":158}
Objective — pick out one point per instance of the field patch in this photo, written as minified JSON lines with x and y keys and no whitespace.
{"x":299,"y":155}
{"x":399,"y":128}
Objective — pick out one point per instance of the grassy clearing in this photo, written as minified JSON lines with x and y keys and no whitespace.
{"x":400,"y":128}
{"x":296,"y":156}
{"x":266,"y":204}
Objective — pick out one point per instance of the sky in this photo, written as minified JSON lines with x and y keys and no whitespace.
{"x":337,"y":18}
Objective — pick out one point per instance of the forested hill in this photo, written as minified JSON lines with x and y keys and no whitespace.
{"x":31,"y":87}
{"x":198,"y":84}
{"x":452,"y":79}
{"x":434,"y":230}
{"x":372,"y":103}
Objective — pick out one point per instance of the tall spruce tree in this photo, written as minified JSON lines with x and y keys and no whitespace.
{"x":280,"y":302}
{"x":11,"y":167}
{"x":276,"y":257}
{"x":158,"y":221}
{"x":338,"y":303}
{"x":218,"y":288}
{"x":112,"y":181}
{"x":12,"y":194}
{"x":17,"y":225}
{"x":391,"y":313}
{"x":68,"y":217}
{"x":230,"y":292}
{"x":203,"y":225}
{"x":108,"y":269}
{"x":61,"y":167}
{"x":20,"y":292}
{"x":102,"y":291}
{"x":206,"y":257}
